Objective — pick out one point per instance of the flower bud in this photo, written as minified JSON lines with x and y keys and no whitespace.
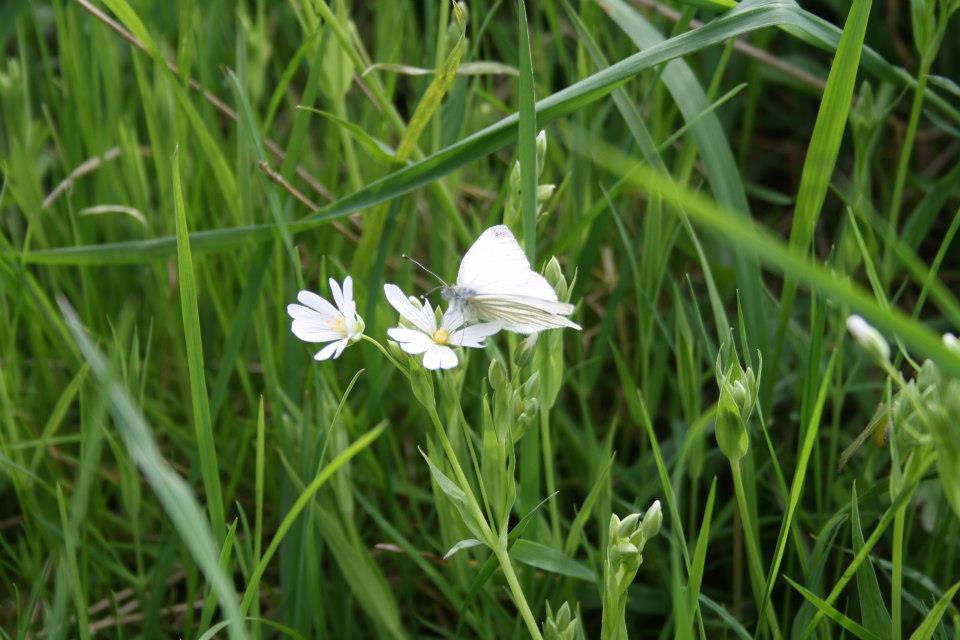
{"x":544,"y":191}
{"x":496,"y":374}
{"x":952,"y":343}
{"x":868,"y":338}
{"x":625,"y":550}
{"x":614,"y":525}
{"x":525,"y":350}
{"x":628,"y":525}
{"x":561,"y":625}
{"x":541,"y":151}
{"x":652,"y":520}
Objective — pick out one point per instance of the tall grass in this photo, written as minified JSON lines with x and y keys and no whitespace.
{"x":722,"y":186}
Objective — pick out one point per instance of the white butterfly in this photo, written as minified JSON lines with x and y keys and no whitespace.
{"x":496,"y":284}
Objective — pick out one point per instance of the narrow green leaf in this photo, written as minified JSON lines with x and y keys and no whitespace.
{"x":929,"y":625}
{"x":781,"y":256}
{"x":377,"y":149}
{"x":822,"y":156}
{"x":873,"y":611}
{"x":548,"y":559}
{"x":527,"y":138}
{"x":826,"y":609}
{"x":173,"y":492}
{"x":203,"y":425}
{"x":435,"y":91}
{"x":300,"y":504}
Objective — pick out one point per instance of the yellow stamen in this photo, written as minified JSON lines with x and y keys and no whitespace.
{"x":441,"y":336}
{"x":337,"y":324}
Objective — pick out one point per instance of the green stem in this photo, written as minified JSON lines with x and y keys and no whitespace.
{"x":500,"y":551}
{"x":903,"y":164}
{"x":547,"y":448}
{"x":402,"y":369}
{"x":896,"y":586}
{"x":757,"y":579}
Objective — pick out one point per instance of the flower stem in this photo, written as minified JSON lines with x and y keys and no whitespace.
{"x":903,"y":164}
{"x":383,"y":350}
{"x":500,"y":551}
{"x":757,"y":578}
{"x":896,"y":582}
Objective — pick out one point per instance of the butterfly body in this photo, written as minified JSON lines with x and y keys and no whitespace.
{"x":496,"y":284}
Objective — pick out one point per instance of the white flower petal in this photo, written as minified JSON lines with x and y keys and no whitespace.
{"x":452,"y":319}
{"x":316,"y":303}
{"x":310,"y":331}
{"x":332,"y":350}
{"x":474,"y":335}
{"x":348,"y":289}
{"x":439,"y":357}
{"x":300,"y":312}
{"x":336,"y":293}
{"x":410,"y":340}
{"x":398,"y":300}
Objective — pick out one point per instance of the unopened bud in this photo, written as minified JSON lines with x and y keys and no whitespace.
{"x":612,"y":528}
{"x":952,"y":343}
{"x":544,"y":191}
{"x":868,"y":338}
{"x":652,"y":520}
{"x":525,"y":350}
{"x":628,"y":525}
{"x":625,"y":550}
{"x":541,"y":151}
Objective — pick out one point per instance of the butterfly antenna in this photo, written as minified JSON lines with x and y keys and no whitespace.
{"x":414,"y":261}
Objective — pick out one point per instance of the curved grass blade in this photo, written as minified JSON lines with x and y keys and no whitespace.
{"x":174,"y":493}
{"x":203,"y":425}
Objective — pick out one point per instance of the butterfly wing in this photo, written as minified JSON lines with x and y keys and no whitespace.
{"x":522,"y":314}
{"x":496,"y":265}
{"x":499,"y":285}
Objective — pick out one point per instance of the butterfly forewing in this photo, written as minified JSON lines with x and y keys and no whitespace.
{"x":496,"y":265}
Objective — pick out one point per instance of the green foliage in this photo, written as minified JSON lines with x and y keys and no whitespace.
{"x":759,"y":243}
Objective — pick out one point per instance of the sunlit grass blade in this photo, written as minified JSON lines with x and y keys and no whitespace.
{"x":820,"y":160}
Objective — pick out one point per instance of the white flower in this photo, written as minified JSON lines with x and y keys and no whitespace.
{"x":426,"y":337}
{"x":868,"y":338}
{"x":316,"y":320}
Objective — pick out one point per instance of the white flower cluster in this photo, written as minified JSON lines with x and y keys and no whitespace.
{"x":418,"y":333}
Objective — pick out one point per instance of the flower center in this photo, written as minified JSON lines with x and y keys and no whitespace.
{"x":337,"y":324}
{"x":441,"y":336}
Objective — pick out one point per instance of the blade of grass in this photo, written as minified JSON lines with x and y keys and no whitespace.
{"x":172,"y":491}
{"x":435,"y":91}
{"x":527,"y":137}
{"x":811,"y":431}
{"x":826,"y":609}
{"x":747,"y":17}
{"x":302,"y":501}
{"x":781,"y":256}
{"x":203,"y":425}
{"x":819,"y":164}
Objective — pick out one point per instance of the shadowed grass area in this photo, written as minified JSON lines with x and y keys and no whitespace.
{"x":718,"y":188}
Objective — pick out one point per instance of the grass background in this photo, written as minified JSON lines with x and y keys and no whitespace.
{"x":160,"y":449}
